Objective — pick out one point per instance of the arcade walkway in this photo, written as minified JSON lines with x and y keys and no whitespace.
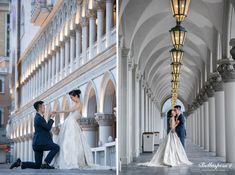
{"x":195,"y":154}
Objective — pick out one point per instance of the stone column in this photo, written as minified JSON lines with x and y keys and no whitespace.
{"x":198,"y":122}
{"x":211,"y":100}
{"x":142,"y":118}
{"x":62,"y":59}
{"x":227,"y":71}
{"x":84,"y":25}
{"x":201,"y":126}
{"x":92,"y":32}
{"x":109,"y":20}
{"x":66,"y":58}
{"x":90,"y":129}
{"x":26,"y":149}
{"x":49,"y":72}
{"x":217,"y":84}
{"x":146,"y":111}
{"x":122,"y":108}
{"x":45,"y":75}
{"x":30,"y":150}
{"x":105,"y":122}
{"x":130,"y":118}
{"x":57,"y":64}
{"x":137,"y":113}
{"x":78,"y":45}
{"x":72,"y":51}
{"x":100,"y":25}
{"x":206,"y":123}
{"x":53,"y":71}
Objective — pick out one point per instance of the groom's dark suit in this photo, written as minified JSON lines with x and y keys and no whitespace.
{"x":180,"y":129}
{"x":42,"y":141}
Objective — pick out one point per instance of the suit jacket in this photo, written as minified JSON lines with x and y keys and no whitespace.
{"x":42,"y":134}
{"x":180,"y":129}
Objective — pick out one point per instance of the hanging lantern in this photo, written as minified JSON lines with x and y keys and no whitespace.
{"x":175,"y":77}
{"x":174,"y":84}
{"x":178,"y":35}
{"x":180,"y":9}
{"x":175,"y":68}
{"x":176,"y":55}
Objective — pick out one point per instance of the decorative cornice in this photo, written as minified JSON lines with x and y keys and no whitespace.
{"x":105,"y":119}
{"x":88,"y":122}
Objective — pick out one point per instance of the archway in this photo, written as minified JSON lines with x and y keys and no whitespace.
{"x":165,"y":108}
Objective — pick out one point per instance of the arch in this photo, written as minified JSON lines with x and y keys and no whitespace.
{"x":91,"y":101}
{"x":108,"y":93}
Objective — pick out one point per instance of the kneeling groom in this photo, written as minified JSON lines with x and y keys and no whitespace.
{"x":42,"y":141}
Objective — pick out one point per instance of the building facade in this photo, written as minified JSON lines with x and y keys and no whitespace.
{"x":5,"y":99}
{"x":58,"y":46}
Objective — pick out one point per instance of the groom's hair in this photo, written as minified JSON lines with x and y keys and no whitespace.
{"x":178,"y":107}
{"x":37,"y":104}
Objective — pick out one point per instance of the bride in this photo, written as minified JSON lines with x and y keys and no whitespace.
{"x":170,"y":151}
{"x":74,"y":152}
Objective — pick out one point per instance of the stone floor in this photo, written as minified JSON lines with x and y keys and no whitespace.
{"x":4,"y":170}
{"x":204,"y":164}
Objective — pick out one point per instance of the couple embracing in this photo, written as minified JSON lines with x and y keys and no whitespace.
{"x":71,"y":150}
{"x":171,"y":151}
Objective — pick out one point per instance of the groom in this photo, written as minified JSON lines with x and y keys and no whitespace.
{"x":180,"y":128}
{"x":42,"y":141}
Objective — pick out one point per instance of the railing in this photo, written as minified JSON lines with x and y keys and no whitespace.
{"x":3,"y":70}
{"x":105,"y":155}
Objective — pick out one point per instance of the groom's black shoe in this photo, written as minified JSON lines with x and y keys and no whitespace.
{"x":46,"y":166}
{"x":16,"y":164}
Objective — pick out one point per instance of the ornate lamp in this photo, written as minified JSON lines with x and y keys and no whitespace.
{"x":174,"y":84}
{"x":175,"y":67}
{"x":180,"y":9}
{"x":178,"y":34}
{"x":175,"y":77}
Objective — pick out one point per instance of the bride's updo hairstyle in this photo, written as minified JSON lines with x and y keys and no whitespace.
{"x":75,"y":92}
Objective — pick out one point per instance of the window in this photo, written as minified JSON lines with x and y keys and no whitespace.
{"x":1,"y":116}
{"x":8,"y":36}
{"x":1,"y":86}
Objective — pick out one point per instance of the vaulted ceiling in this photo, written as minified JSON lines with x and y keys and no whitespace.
{"x":144,"y":28}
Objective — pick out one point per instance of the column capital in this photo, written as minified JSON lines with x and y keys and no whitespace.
{"x":209,"y":89}
{"x":131,"y":64}
{"x":226,"y":69}
{"x":226,"y":66}
{"x":125,"y":52}
{"x":84,"y":22}
{"x":91,"y":13}
{"x":216,"y":81}
{"x":72,"y":33}
{"x":88,"y":123}
{"x":100,"y":5}
{"x":138,"y":76}
{"x":78,"y":27}
{"x":105,"y":119}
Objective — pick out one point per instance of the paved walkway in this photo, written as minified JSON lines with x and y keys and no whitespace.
{"x":204,"y":164}
{"x":4,"y":170}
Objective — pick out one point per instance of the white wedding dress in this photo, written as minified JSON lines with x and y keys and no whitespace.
{"x":74,"y":152}
{"x":170,"y":152}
